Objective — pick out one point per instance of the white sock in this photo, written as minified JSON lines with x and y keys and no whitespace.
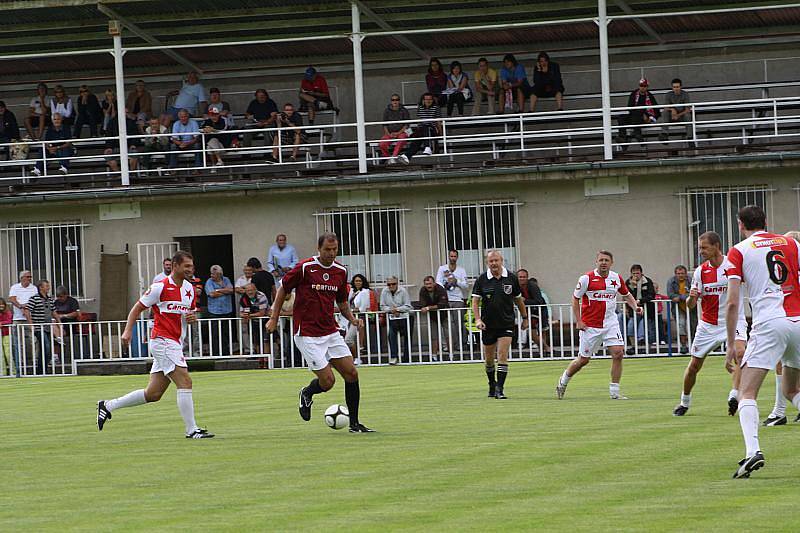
{"x":131,"y":399}
{"x":613,"y":389}
{"x":186,"y":407}
{"x":686,"y":400}
{"x":780,"y":400}
{"x":748,"y":419}
{"x":796,"y":401}
{"x":565,"y":379}
{"x":734,"y":393}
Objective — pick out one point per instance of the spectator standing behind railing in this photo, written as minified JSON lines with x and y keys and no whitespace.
{"x":139,"y":104}
{"x":67,"y":311}
{"x":485,"y":87}
{"x":547,"y":82}
{"x":514,"y":85}
{"x":360,"y":301}
{"x":40,"y":313}
{"x":291,"y":135}
{"x":166,"y":270}
{"x":58,"y":145}
{"x":678,"y":110}
{"x":262,"y":112}
{"x":394,"y":134}
{"x":61,"y":103}
{"x":436,"y":81}
{"x":281,"y":257}
{"x":397,"y":304}
{"x":218,"y":290}
{"x":433,"y":299}
{"x":18,"y":296}
{"x":429,"y":126}
{"x":458,"y":90}
{"x":112,"y":143}
{"x":39,"y":115}
{"x":453,"y":278}
{"x":154,"y":143}
{"x":244,"y":280}
{"x":648,"y":114}
{"x":185,"y":137}
{"x":315,"y":94}
{"x":191,"y":97}
{"x":216,"y":139}
{"x":7,"y":367}
{"x":88,"y":112}
{"x":678,"y":288}
{"x":644,"y":292}
{"x":263,"y":280}
{"x":253,"y":305}
{"x":538,"y":313}
{"x":9,"y":129}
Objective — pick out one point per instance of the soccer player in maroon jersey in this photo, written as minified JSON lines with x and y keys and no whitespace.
{"x":173,"y":303}
{"x":320,"y":282}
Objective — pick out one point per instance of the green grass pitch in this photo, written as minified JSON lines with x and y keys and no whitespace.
{"x":445,"y":457}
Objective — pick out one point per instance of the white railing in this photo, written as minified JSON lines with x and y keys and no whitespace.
{"x":520,"y":135}
{"x":419,"y":338}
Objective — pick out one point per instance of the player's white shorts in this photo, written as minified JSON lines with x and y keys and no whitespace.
{"x":166,"y":354}
{"x":709,"y":336}
{"x":773,"y":341}
{"x":317,"y":351}
{"x":591,"y":339}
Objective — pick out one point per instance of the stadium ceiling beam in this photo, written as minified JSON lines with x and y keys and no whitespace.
{"x":405,"y":41}
{"x":136,"y":30}
{"x":647,"y":28}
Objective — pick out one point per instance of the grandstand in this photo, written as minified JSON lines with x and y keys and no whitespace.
{"x":547,"y":187}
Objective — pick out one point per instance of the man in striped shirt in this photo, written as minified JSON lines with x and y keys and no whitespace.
{"x":40,"y":312}
{"x":428,"y":128}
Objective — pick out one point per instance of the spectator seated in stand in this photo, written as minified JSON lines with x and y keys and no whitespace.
{"x":432,"y":298}
{"x":514,"y":85}
{"x":222,"y":106}
{"x":88,"y":113}
{"x":486,"y":87}
{"x":458,"y":90}
{"x":191,"y":97}
{"x":216,"y":139}
{"x":436,"y":81}
{"x":262,"y":113}
{"x":154,"y":143}
{"x":427,"y":129}
{"x":62,"y":104}
{"x":547,"y":82}
{"x":185,"y":136}
{"x":397,"y":304}
{"x":360,"y":300}
{"x":315,"y":95}
{"x":9,"y":129}
{"x":291,"y":135}
{"x":109,"y":108}
{"x":394,"y":134}
{"x":58,"y":146}
{"x":112,"y":144}
{"x":139,"y":104}
{"x":648,"y":114}
{"x":39,"y":114}
{"x":678,"y":110}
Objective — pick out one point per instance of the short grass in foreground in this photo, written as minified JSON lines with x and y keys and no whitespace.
{"x":445,"y":457}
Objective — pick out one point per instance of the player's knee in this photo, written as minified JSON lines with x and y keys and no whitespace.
{"x":583,"y":361}
{"x":326,"y":382}
{"x":351,"y":375}
{"x":153,"y":396}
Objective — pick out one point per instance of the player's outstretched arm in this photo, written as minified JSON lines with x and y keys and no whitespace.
{"x":133,"y":316}
{"x":731,"y":318}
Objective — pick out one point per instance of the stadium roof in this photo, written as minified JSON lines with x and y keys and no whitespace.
{"x":435,"y":27}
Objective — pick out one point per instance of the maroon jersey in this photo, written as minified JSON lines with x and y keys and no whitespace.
{"x":318,"y":289}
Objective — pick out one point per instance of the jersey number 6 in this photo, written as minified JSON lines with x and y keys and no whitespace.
{"x":778,"y":272}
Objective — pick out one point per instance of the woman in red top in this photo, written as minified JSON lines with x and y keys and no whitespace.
{"x":6,"y":359}
{"x":436,"y":80}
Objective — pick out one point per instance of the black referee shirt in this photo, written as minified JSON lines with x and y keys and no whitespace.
{"x":497,"y":298}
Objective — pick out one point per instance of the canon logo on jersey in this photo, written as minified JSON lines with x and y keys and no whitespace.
{"x":714,"y":289}
{"x":604,"y":295}
{"x":176,"y":307}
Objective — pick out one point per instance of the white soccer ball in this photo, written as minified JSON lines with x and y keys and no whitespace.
{"x":337,"y":416}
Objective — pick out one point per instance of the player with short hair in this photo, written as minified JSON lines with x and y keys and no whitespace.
{"x":594,"y":304}
{"x":710,"y":285}
{"x":768,"y":266}
{"x":320,"y":282}
{"x":493,"y":297}
{"x":173,"y":303}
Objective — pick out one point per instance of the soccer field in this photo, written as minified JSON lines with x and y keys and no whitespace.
{"x":444,"y":457}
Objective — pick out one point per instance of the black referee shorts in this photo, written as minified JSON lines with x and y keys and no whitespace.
{"x":490,"y":335}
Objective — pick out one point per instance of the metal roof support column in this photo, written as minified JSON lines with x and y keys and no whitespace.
{"x":358,"y":78}
{"x":605,"y":80}
{"x":119,"y":78}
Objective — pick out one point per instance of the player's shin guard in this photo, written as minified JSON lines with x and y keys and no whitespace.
{"x":502,"y":374}
{"x":313,"y":388}
{"x":186,"y":408}
{"x":796,"y":401}
{"x":131,"y":399}
{"x":748,"y":419}
{"x":490,"y":376}
{"x":352,"y":396}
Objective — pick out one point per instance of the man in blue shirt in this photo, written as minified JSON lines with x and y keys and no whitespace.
{"x":220,"y":306}
{"x":191,"y":96}
{"x":282,"y":257}
{"x":514,"y":85}
{"x":184,"y":140}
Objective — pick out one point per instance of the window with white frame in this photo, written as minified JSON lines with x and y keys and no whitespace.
{"x":473,"y":228}
{"x":371,"y":240}
{"x":50,"y":250}
{"x":715,"y":209}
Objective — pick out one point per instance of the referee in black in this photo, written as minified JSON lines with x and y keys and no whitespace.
{"x":497,"y":291}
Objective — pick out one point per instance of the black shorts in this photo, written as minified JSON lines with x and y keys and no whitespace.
{"x":491,"y":335}
{"x":545,"y":91}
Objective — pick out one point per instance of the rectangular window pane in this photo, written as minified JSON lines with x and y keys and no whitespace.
{"x":352,"y":246}
{"x":386,"y":253}
{"x":50,"y":251}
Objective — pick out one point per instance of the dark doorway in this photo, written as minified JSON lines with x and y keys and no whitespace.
{"x":210,"y":250}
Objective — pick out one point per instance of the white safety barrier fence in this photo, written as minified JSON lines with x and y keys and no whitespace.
{"x":418,"y":337}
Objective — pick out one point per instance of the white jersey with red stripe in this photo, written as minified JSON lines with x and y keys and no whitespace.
{"x":768,"y":266}
{"x":170,"y":304}
{"x":598,"y":296}
{"x":711,"y":284}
